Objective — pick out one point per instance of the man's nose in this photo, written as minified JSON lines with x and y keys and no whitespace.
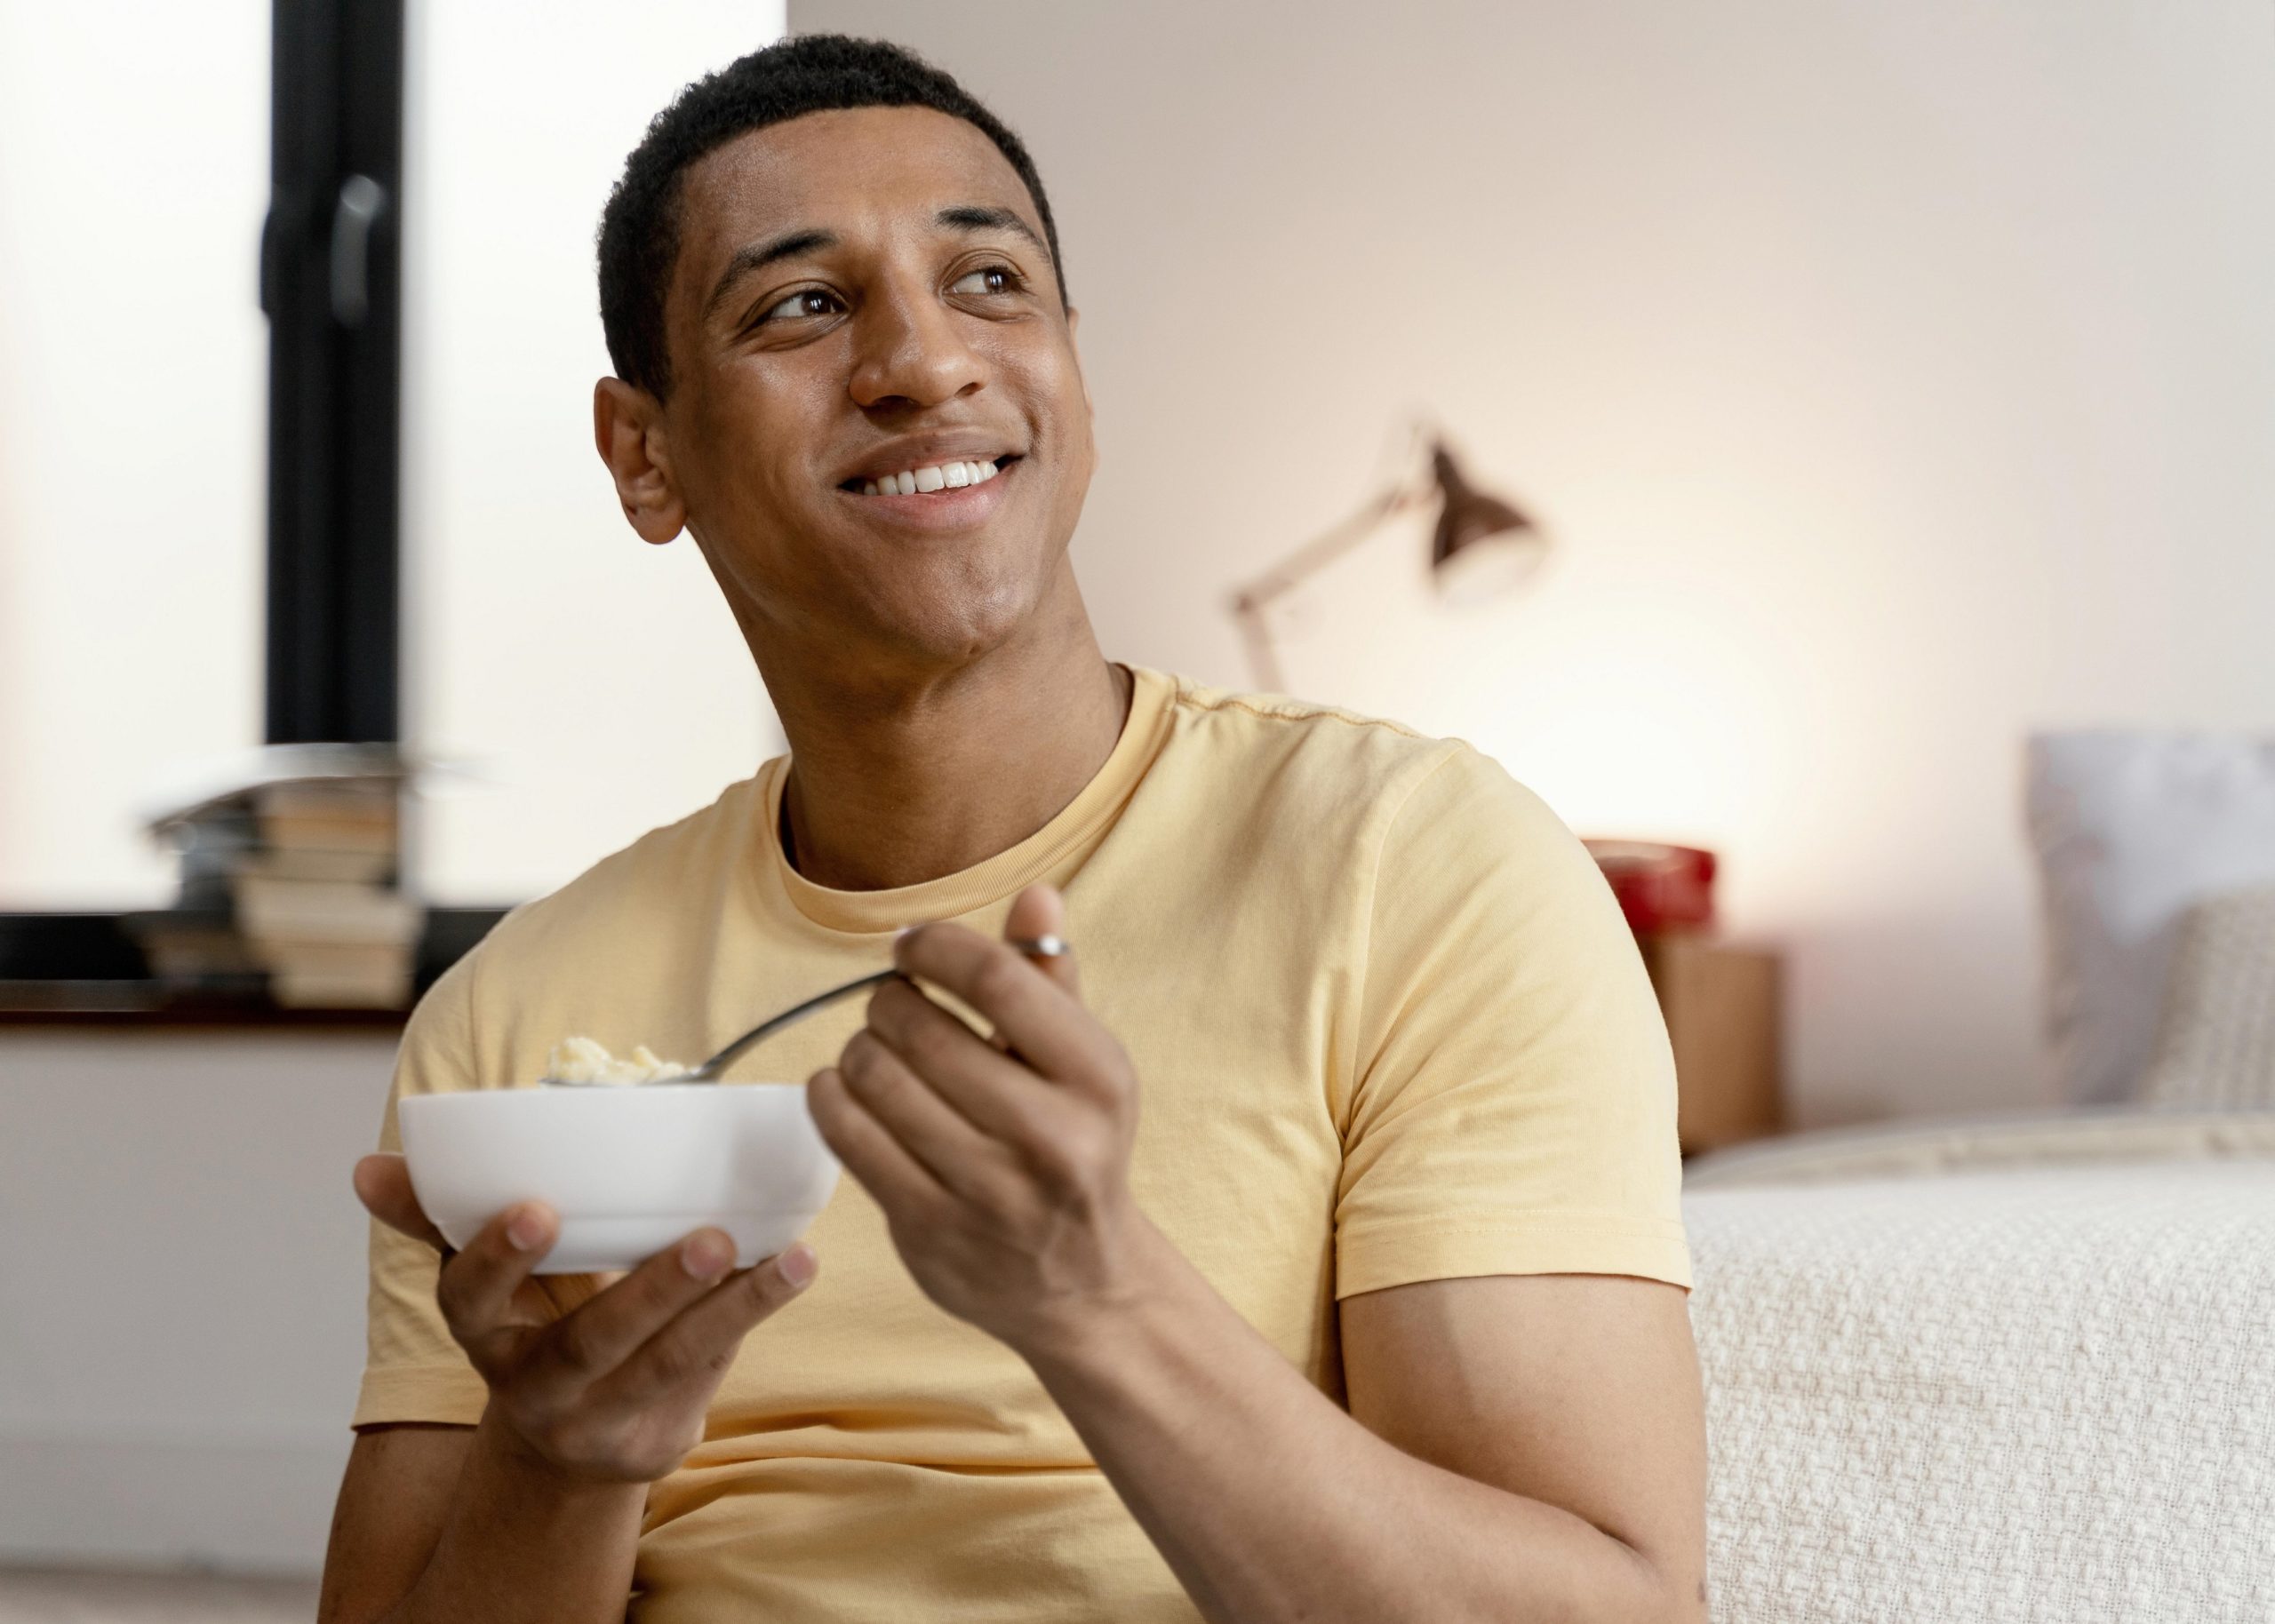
{"x":913,"y":349}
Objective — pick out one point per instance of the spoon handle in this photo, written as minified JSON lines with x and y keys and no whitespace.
{"x":1035,"y":948}
{"x":708,"y":1071}
{"x":1032,"y":947}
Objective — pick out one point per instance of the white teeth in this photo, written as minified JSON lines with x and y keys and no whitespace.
{"x":939,"y":476}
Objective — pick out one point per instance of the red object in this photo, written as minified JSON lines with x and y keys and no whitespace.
{"x":1659,"y":887}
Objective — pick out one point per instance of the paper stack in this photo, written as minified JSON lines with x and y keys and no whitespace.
{"x":291,"y":877}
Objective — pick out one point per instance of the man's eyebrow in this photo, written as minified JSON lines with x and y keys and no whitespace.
{"x":756,"y":256}
{"x":978,"y":217}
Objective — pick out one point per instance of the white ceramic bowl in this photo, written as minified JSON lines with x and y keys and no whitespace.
{"x":629,"y":1169}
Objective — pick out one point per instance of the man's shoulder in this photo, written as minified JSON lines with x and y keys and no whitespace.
{"x":611,"y":942}
{"x":1283,"y":746}
{"x":1276,"y":767}
{"x":649,"y":883}
{"x":1277,"y":725}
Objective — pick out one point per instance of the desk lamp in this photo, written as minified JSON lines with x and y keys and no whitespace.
{"x":1481,"y":545}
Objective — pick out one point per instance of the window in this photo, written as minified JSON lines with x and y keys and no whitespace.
{"x":133,"y":177}
{"x":596,"y":687}
{"x":599,"y":685}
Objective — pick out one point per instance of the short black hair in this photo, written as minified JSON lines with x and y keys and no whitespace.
{"x":813,"y":73}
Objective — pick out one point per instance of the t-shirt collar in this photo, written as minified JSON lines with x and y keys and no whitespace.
{"x":1001,"y":876}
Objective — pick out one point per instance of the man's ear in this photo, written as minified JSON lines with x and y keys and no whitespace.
{"x":628,"y":431}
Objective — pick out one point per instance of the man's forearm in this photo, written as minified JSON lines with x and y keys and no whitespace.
{"x":1271,"y":1503}
{"x":523,"y":1543}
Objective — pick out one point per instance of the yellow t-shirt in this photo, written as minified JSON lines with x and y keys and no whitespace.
{"x":1388,"y":1026}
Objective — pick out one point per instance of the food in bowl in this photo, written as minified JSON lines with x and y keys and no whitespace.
{"x":629,"y":1170}
{"x":587,"y":1060}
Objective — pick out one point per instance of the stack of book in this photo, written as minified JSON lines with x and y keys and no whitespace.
{"x":291,"y":883}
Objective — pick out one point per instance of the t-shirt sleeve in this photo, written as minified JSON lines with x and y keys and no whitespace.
{"x":1512,"y":1108}
{"x":414,"y":1371}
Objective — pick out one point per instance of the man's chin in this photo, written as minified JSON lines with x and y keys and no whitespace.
{"x":869,"y":602}
{"x":947,"y":612}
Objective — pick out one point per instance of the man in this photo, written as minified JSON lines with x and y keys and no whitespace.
{"x":1375,"y":1310}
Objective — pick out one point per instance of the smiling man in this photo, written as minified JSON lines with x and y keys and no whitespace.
{"x":1313,"y":1253}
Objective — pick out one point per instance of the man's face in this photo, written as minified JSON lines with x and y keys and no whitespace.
{"x":860,"y":295}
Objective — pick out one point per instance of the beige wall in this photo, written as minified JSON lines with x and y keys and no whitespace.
{"x":1894,"y":377}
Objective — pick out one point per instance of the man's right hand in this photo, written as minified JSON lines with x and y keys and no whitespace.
{"x":616,"y":1390}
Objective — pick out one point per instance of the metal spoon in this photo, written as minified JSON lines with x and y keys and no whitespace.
{"x":1033,"y":947}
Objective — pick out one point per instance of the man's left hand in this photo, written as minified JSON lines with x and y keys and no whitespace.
{"x":1003,"y":1167}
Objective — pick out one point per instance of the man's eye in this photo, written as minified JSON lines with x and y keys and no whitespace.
{"x":804,"y":302}
{"x":987,"y":279}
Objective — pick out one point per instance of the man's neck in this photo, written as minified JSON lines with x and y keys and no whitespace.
{"x":896,"y":787}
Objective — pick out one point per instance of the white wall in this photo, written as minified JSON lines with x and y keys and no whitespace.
{"x":133,"y":175}
{"x":1893,"y":377}
{"x":181,"y":1290}
{"x":599,"y":684}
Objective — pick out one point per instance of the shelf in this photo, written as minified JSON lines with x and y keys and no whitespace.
{"x":84,"y":969}
{"x":146,"y":1005}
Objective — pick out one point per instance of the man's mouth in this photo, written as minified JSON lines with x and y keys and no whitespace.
{"x":930,"y":478}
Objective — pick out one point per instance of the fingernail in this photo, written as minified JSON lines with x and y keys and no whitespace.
{"x":903,"y":931}
{"x":797,"y":1264}
{"x":524,"y":1228}
{"x":705,"y":1257}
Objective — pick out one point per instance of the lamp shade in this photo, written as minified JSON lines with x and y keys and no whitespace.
{"x":1482,"y":546}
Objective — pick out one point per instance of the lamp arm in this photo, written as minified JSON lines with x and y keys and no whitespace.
{"x":1316,"y":555}
{"x":1250,"y":600}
